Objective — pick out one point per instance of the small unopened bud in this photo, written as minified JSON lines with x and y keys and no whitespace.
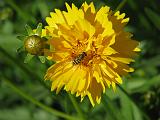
{"x":34,"y":45}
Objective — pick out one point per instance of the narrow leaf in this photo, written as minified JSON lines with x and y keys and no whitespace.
{"x":150,"y":83}
{"x":112,"y":108}
{"x":28,"y":58}
{"x":126,"y":107}
{"x":154,"y":17}
{"x":39,"y":29}
{"x":144,"y":21}
{"x":29,"y":30}
{"x":42,"y":59}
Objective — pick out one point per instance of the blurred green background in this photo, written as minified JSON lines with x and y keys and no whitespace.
{"x":142,"y":100}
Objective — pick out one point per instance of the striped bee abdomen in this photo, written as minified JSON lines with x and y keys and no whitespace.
{"x":79,"y":58}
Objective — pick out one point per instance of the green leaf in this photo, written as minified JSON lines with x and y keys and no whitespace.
{"x":144,"y":21}
{"x":29,"y":30}
{"x":136,"y":113}
{"x":10,"y":43}
{"x":42,"y":59}
{"x":21,"y":49}
{"x":28,"y":58}
{"x":39,"y":29}
{"x":153,"y":16}
{"x":112,"y":108}
{"x":129,"y":107}
{"x":152,"y":82}
{"x":21,"y":37}
{"x":126,"y":108}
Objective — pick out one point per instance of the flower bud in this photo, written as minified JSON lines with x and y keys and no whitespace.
{"x":34,"y":45}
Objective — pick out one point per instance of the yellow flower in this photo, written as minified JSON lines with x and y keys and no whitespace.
{"x":90,"y":48}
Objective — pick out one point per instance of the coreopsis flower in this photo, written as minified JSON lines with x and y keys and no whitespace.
{"x":91,"y":49}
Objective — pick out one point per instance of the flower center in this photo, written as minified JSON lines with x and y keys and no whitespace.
{"x":80,"y":56}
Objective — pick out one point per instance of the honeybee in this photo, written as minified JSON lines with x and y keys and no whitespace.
{"x":79,"y":58}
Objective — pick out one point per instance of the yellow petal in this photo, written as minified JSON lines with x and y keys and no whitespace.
{"x":78,"y":14}
{"x":123,"y":60}
{"x":85,"y":26}
{"x":110,"y":73}
{"x":68,"y":7}
{"x":109,"y":51}
{"x":75,"y":83}
{"x":50,"y":22}
{"x":113,"y":86}
{"x":137,"y":49}
{"x":95,"y":95}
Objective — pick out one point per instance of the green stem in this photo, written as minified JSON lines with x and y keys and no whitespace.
{"x":76,"y":106}
{"x":34,"y":101}
{"x":134,"y":102}
{"x":121,"y":5}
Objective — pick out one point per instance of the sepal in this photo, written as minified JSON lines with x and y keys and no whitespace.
{"x":42,"y":59}
{"x":39,"y":29}
{"x":29,"y":30}
{"x":28,"y":58}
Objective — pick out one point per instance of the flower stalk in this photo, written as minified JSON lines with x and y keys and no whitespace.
{"x":76,"y":106}
{"x":34,"y":101}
